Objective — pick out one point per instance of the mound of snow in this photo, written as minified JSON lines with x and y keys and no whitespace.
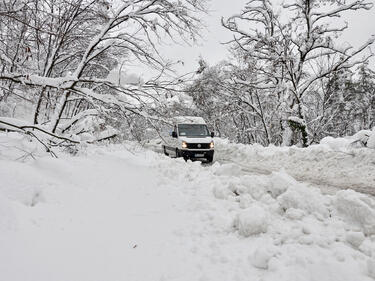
{"x":279,"y":183}
{"x":230,"y":169}
{"x":304,"y":198}
{"x":336,"y":143}
{"x":252,"y":221}
{"x":294,"y":214}
{"x":358,"y":208}
{"x":261,"y":256}
{"x":361,"y":136}
{"x":355,"y":238}
{"x":222,"y":192}
{"x":256,"y":186}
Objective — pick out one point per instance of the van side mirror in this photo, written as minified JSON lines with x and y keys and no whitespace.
{"x":174,"y":134}
{"x":212,"y":134}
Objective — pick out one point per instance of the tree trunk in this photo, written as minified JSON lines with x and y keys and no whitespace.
{"x":59,"y":111}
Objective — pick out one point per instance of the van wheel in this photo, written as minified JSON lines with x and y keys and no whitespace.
{"x":209,"y":159}
{"x":177,"y":153}
{"x":165,"y":151}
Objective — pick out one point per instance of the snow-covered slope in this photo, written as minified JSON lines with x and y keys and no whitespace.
{"x":123,"y":213}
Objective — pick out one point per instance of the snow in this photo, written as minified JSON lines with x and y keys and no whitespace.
{"x":371,"y":140}
{"x":371,"y":268}
{"x":336,"y":143}
{"x":120,"y":212}
{"x":355,"y":238}
{"x":13,"y":121}
{"x":262,"y":257}
{"x":333,"y":164}
{"x":252,"y":221}
{"x":297,"y":120}
{"x":188,"y":120}
{"x":357,"y":208}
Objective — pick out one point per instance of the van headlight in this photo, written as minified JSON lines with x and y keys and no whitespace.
{"x":212,"y":144}
{"x":184,"y":144}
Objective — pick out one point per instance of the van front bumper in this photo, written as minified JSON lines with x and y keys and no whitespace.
{"x":197,"y":153}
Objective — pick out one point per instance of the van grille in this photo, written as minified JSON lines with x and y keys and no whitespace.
{"x":198,"y":145}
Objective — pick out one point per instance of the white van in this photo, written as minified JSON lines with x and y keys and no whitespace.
{"x":189,"y":138}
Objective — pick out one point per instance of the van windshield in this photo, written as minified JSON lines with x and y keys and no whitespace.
{"x":193,"y":130}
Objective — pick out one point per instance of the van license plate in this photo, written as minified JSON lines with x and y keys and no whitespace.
{"x":199,"y":155}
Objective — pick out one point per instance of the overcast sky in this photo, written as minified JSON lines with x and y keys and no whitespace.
{"x":210,"y":47}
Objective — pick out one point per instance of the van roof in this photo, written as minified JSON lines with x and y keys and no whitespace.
{"x":188,"y":120}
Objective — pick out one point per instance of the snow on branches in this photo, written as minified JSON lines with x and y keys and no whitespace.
{"x":294,"y":50}
{"x":61,"y":53}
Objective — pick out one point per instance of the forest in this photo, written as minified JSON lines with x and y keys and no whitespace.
{"x":287,"y":80}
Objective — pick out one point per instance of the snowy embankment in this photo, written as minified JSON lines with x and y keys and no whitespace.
{"x":335,"y":163}
{"x":123,"y":213}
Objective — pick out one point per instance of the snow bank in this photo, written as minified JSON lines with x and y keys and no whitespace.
{"x":332,"y":164}
{"x":294,"y":225}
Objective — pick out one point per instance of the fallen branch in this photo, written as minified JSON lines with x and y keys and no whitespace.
{"x":24,"y":129}
{"x":104,"y":138}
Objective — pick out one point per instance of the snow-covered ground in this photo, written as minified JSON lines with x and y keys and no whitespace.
{"x":124,"y":213}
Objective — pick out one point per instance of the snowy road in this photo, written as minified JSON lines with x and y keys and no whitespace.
{"x":327,"y":188}
{"x":329,"y":167}
{"x":114,"y":215}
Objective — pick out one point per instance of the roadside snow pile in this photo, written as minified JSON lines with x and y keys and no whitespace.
{"x":292,"y":225}
{"x":333,"y":163}
{"x":363,"y":138}
{"x":131,"y":209}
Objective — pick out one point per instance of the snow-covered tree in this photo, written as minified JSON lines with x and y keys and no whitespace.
{"x":58,"y":54}
{"x":294,"y":51}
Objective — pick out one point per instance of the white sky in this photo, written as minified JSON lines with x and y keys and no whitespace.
{"x":210,"y":47}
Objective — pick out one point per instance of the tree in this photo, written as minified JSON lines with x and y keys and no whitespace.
{"x":294,"y":56}
{"x":68,"y":49}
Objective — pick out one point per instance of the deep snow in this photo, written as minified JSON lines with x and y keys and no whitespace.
{"x":124,"y":213}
